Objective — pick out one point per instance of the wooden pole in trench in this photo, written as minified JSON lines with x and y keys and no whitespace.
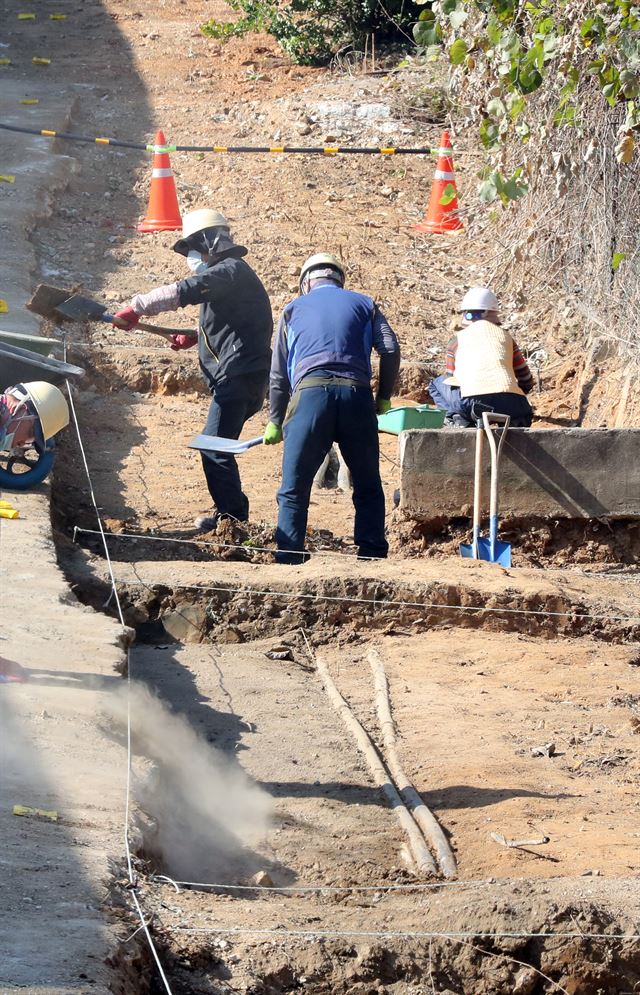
{"x":419,"y":850}
{"x":423,"y":815}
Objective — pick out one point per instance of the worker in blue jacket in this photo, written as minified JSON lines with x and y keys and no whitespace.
{"x":321,"y":379}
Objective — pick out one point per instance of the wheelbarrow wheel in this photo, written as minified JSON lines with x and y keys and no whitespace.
{"x":24,"y":468}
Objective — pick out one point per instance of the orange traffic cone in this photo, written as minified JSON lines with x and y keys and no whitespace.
{"x":442,"y":213}
{"x":163,"y":213}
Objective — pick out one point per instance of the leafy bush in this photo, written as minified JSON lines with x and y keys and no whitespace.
{"x":311,"y":31}
{"x":569,"y":52}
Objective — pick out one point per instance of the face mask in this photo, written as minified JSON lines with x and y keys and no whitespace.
{"x":195,"y":263}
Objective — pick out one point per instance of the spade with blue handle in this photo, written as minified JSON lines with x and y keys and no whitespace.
{"x":491,"y":548}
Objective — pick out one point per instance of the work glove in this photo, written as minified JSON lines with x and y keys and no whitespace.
{"x":127,"y":318}
{"x":382,"y":406}
{"x":179,"y":342}
{"x":272,"y":434}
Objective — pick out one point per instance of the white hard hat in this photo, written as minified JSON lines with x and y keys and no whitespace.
{"x":51,"y":406}
{"x":479,"y":299}
{"x":196,"y":221}
{"x":321,"y":260}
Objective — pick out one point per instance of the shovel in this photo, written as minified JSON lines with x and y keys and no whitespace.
{"x":481,"y":548}
{"x":217,"y":444}
{"x":470,"y":550}
{"x":54,"y":302}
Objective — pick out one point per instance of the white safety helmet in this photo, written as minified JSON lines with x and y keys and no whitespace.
{"x":197,"y":221}
{"x":50,"y":405}
{"x":479,"y":299}
{"x":326,"y":263}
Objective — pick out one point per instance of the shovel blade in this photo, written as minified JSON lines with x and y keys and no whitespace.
{"x":46,"y":299}
{"x":216,"y":444}
{"x":501,"y":552}
{"x":78,"y":308}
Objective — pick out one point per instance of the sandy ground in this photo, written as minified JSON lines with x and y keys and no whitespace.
{"x":470,"y":703}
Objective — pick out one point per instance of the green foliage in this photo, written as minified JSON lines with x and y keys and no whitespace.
{"x":504,"y":51}
{"x":497,"y":186}
{"x":311,"y":31}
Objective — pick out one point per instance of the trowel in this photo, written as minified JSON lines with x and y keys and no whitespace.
{"x":56,"y":303}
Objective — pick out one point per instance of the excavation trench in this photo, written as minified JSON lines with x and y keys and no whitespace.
{"x":230,"y":597}
{"x":214,"y":964}
{"x":235,"y":603}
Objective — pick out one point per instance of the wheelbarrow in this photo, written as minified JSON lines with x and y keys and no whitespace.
{"x":23,"y":467}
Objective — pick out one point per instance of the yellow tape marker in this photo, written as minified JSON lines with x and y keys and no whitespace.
{"x":48,"y":134}
{"x":57,"y":17}
{"x":5,"y":513}
{"x":4,"y":307}
{"x":219,"y":148}
{"x":5,"y":62}
{"x":277,"y":148}
{"x":40,"y":61}
{"x":387,"y":151}
{"x":330,"y":150}
{"x":26,"y":17}
{"x":7,"y":178}
{"x":30,"y":101}
{"x":39,"y":813}
{"x":102,"y":141}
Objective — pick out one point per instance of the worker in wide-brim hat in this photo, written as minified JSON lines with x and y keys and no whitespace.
{"x":321,"y":380}
{"x":31,"y":414}
{"x":485,"y":369}
{"x":233,"y":339}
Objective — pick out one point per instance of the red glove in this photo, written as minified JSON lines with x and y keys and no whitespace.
{"x":179,"y":342}
{"x":127,"y":318}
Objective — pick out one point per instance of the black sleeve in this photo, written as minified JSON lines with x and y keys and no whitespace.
{"x":204,"y":287}
{"x":386,"y":345}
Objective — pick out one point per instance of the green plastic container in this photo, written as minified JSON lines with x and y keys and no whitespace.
{"x":400,"y":419}
{"x":34,"y":343}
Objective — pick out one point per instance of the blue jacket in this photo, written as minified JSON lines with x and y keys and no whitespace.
{"x":330,"y":329}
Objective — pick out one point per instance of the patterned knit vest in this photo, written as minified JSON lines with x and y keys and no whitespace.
{"x":484,"y":361}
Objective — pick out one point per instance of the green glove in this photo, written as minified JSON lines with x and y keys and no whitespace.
{"x":382,"y":406}
{"x":272,"y":434}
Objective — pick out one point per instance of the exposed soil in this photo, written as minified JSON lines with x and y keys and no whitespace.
{"x":473,"y":692}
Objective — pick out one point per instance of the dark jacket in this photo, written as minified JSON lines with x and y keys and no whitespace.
{"x":236,"y":323}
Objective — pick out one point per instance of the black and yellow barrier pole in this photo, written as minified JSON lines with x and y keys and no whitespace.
{"x":235,"y":149}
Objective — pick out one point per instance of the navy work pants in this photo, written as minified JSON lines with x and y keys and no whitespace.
{"x":448,"y":399}
{"x":233,"y":402}
{"x":318,"y":417}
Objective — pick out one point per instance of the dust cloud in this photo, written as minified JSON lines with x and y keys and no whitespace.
{"x":198,"y":812}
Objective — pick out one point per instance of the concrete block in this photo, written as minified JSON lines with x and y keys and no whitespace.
{"x":547,"y":473}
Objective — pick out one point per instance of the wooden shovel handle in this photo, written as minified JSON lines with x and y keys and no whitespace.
{"x":154,"y":329}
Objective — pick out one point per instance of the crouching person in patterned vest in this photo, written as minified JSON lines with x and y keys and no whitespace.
{"x":485,"y":369}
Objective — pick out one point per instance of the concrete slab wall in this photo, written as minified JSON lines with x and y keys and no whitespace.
{"x":549,"y":473}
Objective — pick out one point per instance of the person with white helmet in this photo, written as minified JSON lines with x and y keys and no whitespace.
{"x":485,"y":369}
{"x":234,"y":342}
{"x":31,"y":413}
{"x":321,"y":380}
